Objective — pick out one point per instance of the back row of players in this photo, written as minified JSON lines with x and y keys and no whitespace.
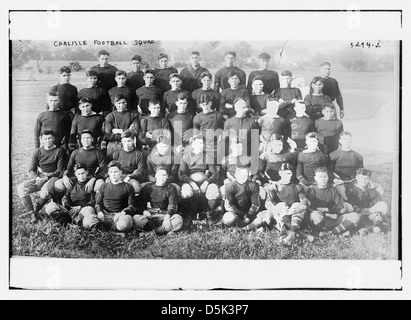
{"x":204,"y":143}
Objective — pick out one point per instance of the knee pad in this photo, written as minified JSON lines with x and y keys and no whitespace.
{"x":89,"y":221}
{"x":348,"y":207}
{"x":88,"y":211}
{"x":124,"y":223}
{"x":59,"y":185}
{"x":298,"y":207}
{"x":381,"y":207}
{"x":212,"y":192}
{"x":51,"y":207}
{"x":186,"y":191}
{"x":176,"y":222}
{"x":353,"y":217}
{"x":47,"y":190}
{"x":229,"y":219}
{"x":139,"y":221}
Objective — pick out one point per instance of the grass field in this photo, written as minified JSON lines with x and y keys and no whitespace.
{"x":371,"y":114}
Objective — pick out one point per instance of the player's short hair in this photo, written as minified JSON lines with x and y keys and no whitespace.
{"x":121,"y":73}
{"x":264,"y":55}
{"x":80,"y":165}
{"x":175,"y":75}
{"x":311,"y":135}
{"x":287,"y":73}
{"x":315,"y":79}
{"x":197,"y":137}
{"x":197,"y":53}
{"x":232,"y":52}
{"x":182,"y":96}
{"x":64,"y":69}
{"x":163,"y":139}
{"x":286,"y":166}
{"x":364,"y":172}
{"x":127,"y":134}
{"x":149,"y":71}
{"x":47,"y":132}
{"x":114,"y":163}
{"x":235,"y":140}
{"x":276,"y":136}
{"x":239,"y":99}
{"x":345,"y":133}
{"x":160,"y":167}
{"x":320,"y":169}
{"x":153,"y":102}
{"x":243,"y":166}
{"x":162,"y":55}
{"x":325,"y":63}
{"x":205,"y":98}
{"x":257,"y":77}
{"x":233,"y":73}
{"x":271,"y":99}
{"x":205,"y":74}
{"x":119,"y":96}
{"x":103,"y":52}
{"x":87,"y":131}
{"x":136,"y":57}
{"x":53,"y":94}
{"x":91,"y":73}
{"x":328,"y":105}
{"x":85,"y":100}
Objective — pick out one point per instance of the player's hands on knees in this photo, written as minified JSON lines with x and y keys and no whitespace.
{"x":40,"y":181}
{"x":203,"y":187}
{"x":146,"y":213}
{"x":100,"y":216}
{"x":74,"y":210}
{"x":67,"y":182}
{"x":127,"y":179}
{"x":375,"y":217}
{"x":90,"y":185}
{"x":316,"y":217}
{"x":167,"y":222}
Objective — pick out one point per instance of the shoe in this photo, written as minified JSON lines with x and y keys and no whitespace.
{"x":34,"y":217}
{"x":363,"y":232}
{"x":202,"y":215}
{"x":209,"y":218}
{"x":346,"y":234}
{"x":288,"y":240}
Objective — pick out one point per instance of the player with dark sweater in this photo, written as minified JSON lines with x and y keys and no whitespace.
{"x":148,"y":92}
{"x":89,"y":155}
{"x":162,"y":74}
{"x":135,"y":78}
{"x":221,"y":76}
{"x":115,"y":202}
{"x":315,"y":100}
{"x":331,"y":88}
{"x":191,"y":74}
{"x":309,"y":159}
{"x":157,"y":208}
{"x":206,"y":80}
{"x":153,"y":126}
{"x":328,"y":129}
{"x":132,"y":161}
{"x":271,"y":123}
{"x":300,"y":125}
{"x":270,"y":77}
{"x":87,"y":120}
{"x":54,"y":119}
{"x":117,"y":122}
{"x":258,"y":99}
{"x":77,"y":204}
{"x":66,"y":91}
{"x":287,"y":95}
{"x":228,"y":95}
{"x":99,"y":96}
{"x":122,"y":88}
{"x":46,"y":166}
{"x":181,"y":123}
{"x":170,"y":96}
{"x":105,"y":71}
{"x":329,"y":213}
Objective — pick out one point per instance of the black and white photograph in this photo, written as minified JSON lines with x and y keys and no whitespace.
{"x":229,"y":156}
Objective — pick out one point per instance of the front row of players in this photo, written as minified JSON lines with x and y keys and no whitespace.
{"x":119,"y":197}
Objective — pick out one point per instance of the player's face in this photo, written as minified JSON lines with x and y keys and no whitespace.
{"x":241,"y":107}
{"x":163,"y":63}
{"x":81,"y":174}
{"x":362,"y":180}
{"x":128,"y":143}
{"x":121,"y":105}
{"x":149,"y":79}
{"x":135,"y":65}
{"x":258,"y":86}
{"x":103,"y":60}
{"x":162,"y":148}
{"x":285,"y":176}
{"x":181,"y":105}
{"x":241,"y":175}
{"x":346,"y":142}
{"x":65,"y":77}
{"x":312,"y":143}
{"x":53,"y":102}
{"x":85,"y":108}
{"x":325,"y":70}
{"x":115,"y":174}
{"x":47,"y":140}
{"x":206,"y":106}
{"x":321,"y":178}
{"x":92,"y":81}
{"x":328,"y":113}
{"x":86,"y":140}
{"x":276,"y":146}
{"x":318,"y":86}
{"x":121,"y":80}
{"x":264,"y":63}
{"x":237,"y":148}
{"x":234,"y":82}
{"x":161,"y":177}
{"x":175,"y":83}
{"x":194,"y":60}
{"x":272,"y":107}
{"x":229,"y":60}
{"x":206,"y":81}
{"x":154,"y":110}
{"x":299,"y":109}
{"x":286,"y":81}
{"x":197,"y":146}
